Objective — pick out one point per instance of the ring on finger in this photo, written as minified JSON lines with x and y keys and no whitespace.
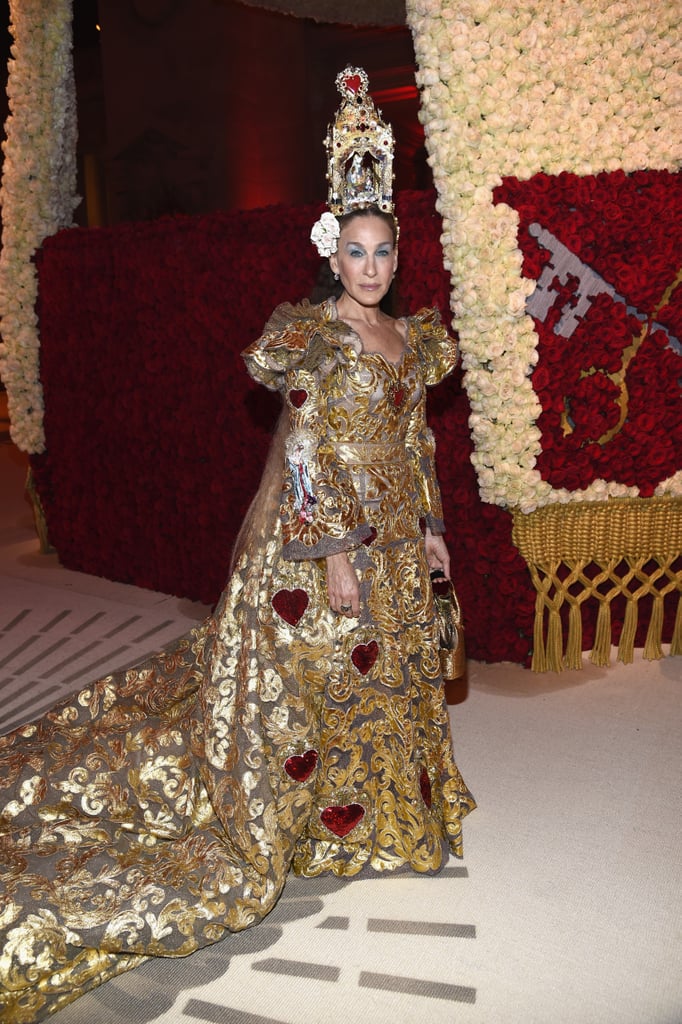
{"x":346,"y":607}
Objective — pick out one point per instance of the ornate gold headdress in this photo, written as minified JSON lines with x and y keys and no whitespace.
{"x":359,"y":159}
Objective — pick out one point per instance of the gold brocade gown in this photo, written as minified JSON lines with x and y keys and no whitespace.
{"x":163,"y":806}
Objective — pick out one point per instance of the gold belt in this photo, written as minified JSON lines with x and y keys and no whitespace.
{"x":368,"y":454}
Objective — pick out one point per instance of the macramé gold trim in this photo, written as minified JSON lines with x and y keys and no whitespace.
{"x":622,"y":537}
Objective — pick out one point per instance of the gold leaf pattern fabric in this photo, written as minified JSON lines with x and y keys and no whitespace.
{"x":163,"y":806}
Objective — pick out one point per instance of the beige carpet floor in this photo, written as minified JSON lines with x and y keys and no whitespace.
{"x":565,"y":910}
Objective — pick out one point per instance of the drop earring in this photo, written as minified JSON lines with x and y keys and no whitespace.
{"x":336,"y":277}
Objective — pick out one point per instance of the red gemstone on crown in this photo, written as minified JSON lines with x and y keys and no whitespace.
{"x":353,"y":82}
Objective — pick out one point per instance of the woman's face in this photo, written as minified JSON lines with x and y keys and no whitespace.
{"x":366,"y":259}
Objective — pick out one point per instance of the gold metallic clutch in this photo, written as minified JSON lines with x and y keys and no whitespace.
{"x":449,"y":615}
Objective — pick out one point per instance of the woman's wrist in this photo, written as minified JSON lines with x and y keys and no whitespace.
{"x":338,"y":558}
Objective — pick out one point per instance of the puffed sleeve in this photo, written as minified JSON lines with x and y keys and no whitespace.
{"x":438,"y":354}
{"x":302,"y":353}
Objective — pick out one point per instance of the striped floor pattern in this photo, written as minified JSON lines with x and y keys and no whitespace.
{"x":50,"y":649}
{"x":308,"y":962}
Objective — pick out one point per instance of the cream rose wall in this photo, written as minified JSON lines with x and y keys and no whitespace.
{"x":38,"y":195}
{"x":544,"y":85}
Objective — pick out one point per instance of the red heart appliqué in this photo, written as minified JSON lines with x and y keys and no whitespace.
{"x":363,"y":656}
{"x":290,"y":605}
{"x":425,"y":786}
{"x":342,"y":820}
{"x":353,"y":82}
{"x":298,"y":397}
{"x":300,"y":767}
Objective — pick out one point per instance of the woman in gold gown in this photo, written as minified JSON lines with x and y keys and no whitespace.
{"x":302,"y":726}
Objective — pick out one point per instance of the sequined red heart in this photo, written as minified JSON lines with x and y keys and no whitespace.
{"x":298,"y":397}
{"x":398,"y":395}
{"x":372,"y":537}
{"x":342,"y":820}
{"x":363,"y":656}
{"x":425,"y":786}
{"x":300,"y":767}
{"x":353,"y":82}
{"x":290,"y":605}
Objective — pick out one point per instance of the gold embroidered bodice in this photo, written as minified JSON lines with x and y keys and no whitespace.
{"x":361,"y":423}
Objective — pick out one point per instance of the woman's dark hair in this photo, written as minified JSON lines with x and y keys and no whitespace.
{"x":325,"y":285}
{"x":371,"y":211}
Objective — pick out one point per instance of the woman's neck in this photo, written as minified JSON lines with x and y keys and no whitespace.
{"x":349,"y":309}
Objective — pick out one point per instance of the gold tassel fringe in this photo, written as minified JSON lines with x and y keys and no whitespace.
{"x":622,"y":537}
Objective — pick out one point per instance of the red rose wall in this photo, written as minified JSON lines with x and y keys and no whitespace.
{"x":609,"y":382}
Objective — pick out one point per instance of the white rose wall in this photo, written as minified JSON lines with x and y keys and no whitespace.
{"x":38,"y":193}
{"x":554,"y":137}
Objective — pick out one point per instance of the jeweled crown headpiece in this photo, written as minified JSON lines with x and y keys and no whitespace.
{"x":359,"y":158}
{"x":359,"y":149}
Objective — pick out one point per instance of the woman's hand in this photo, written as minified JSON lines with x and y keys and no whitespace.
{"x":342,"y":585}
{"x":437,"y":554}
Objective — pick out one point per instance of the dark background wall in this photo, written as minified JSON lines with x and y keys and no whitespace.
{"x":188,"y":106}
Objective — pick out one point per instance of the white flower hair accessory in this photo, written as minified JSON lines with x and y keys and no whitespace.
{"x":325,"y":234}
